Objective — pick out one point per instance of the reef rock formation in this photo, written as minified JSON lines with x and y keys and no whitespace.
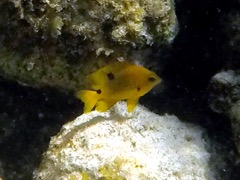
{"x":118,"y":145}
{"x":56,"y":43}
{"x":225,"y":98}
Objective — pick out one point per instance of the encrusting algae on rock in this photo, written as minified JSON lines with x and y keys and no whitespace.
{"x":58,"y":42}
{"x":115,"y":82}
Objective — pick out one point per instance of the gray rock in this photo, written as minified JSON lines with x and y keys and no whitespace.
{"x":225,"y":98}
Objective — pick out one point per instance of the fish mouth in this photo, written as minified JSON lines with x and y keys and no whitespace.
{"x":157,"y":80}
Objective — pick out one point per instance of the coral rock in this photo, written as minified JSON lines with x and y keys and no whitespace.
{"x":118,"y":145}
{"x":58,"y":42}
{"x":225,"y":98}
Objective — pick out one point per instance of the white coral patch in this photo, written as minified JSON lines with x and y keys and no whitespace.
{"x":140,"y":145}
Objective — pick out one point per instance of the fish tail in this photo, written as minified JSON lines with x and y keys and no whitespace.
{"x":89,"y":98}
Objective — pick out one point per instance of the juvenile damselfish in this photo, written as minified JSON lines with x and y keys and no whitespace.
{"x":116,"y":82}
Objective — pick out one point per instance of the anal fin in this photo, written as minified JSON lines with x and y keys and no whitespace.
{"x":104,"y":105}
{"x":131,"y":104}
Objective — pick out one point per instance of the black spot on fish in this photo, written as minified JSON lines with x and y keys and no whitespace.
{"x":138,"y":88}
{"x":110,"y":76}
{"x":99,"y":91}
{"x":152,"y":79}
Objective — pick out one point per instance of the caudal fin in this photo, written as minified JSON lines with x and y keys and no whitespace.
{"x":89,"y":98}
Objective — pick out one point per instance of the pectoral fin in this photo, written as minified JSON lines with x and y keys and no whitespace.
{"x":131,"y":103}
{"x":104,"y":105}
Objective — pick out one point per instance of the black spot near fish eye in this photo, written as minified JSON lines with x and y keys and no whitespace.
{"x":152,"y":79}
{"x":138,"y":89}
{"x":99,"y":91}
{"x":110,"y":76}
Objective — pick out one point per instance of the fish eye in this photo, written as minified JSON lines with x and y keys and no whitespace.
{"x":110,"y":76}
{"x":99,"y":91}
{"x":138,"y":89}
{"x":152,"y":79}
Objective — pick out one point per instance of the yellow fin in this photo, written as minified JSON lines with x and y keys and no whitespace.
{"x":131,"y":103}
{"x":104,"y":105}
{"x":89,"y":98}
{"x":84,"y":176}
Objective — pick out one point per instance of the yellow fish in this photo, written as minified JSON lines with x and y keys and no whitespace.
{"x":116,"y":82}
